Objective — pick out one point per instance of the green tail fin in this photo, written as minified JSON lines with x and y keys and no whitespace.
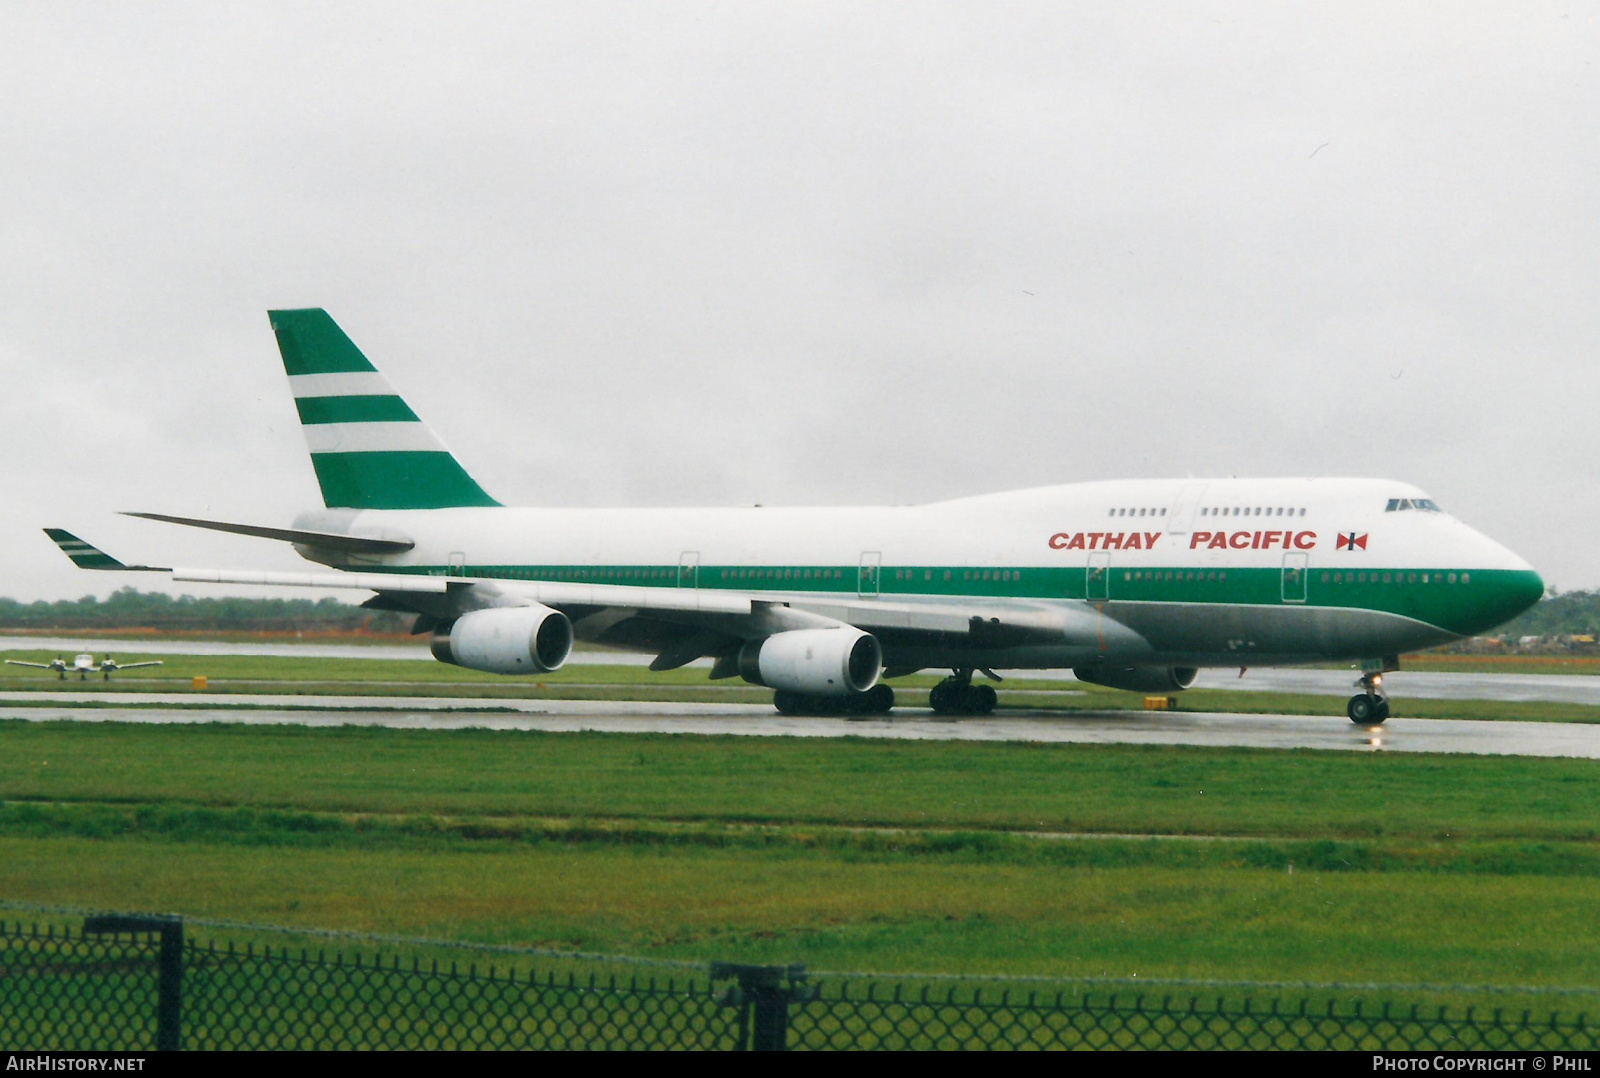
{"x":370,"y":450}
{"x":82,"y":554}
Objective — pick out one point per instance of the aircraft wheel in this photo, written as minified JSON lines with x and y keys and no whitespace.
{"x":788,"y":703}
{"x":875,"y":701}
{"x":944,"y":697}
{"x":1367,"y":710}
{"x":983,"y":698}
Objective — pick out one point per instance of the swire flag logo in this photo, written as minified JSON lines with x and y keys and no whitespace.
{"x":1352,"y":541}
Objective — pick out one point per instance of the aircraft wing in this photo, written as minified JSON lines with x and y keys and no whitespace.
{"x":1012,"y":620}
{"x":39,"y":666}
{"x":134,"y":666}
{"x":557,"y":594}
{"x":710,"y":612}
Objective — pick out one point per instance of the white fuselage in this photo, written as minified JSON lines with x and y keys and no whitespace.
{"x":1147,"y":553}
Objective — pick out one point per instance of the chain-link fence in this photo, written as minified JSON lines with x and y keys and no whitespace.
{"x":134,"y":984}
{"x":871,"y":1017}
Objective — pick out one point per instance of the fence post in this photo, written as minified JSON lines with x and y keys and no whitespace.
{"x":169,"y":975}
{"x":763,"y":996}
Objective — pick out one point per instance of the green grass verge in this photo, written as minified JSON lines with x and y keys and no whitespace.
{"x":855,"y":782}
{"x":994,"y":910}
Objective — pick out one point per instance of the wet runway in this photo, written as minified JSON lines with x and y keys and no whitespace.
{"x":1129,"y":727}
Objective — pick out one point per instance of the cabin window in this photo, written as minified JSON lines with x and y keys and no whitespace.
{"x":1466,"y":578}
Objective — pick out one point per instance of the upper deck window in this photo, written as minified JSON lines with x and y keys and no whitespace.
{"x":1398,"y":505}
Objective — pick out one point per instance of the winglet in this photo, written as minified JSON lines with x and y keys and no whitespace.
{"x":85,"y":556}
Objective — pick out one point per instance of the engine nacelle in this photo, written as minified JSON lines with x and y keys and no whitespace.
{"x":1139,"y":678}
{"x":506,"y":640}
{"x":821,"y":662}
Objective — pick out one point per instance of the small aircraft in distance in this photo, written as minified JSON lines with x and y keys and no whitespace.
{"x":83,"y":665}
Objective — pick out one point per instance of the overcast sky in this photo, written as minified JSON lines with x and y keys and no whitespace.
{"x":727,"y":253}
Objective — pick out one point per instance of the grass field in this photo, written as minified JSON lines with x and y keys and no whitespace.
{"x":1063,"y":860}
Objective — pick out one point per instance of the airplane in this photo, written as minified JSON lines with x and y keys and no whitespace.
{"x":1133,"y":584}
{"x":83,"y":665}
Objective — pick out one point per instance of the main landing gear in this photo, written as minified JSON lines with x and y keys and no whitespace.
{"x":1370,"y":706}
{"x":957,"y":695}
{"x":875,"y":701}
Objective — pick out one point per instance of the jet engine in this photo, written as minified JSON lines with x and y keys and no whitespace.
{"x":1139,"y":678}
{"x":506,"y":640}
{"x":818,"y":662}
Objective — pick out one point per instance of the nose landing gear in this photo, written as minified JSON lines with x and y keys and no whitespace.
{"x":1370,"y":706}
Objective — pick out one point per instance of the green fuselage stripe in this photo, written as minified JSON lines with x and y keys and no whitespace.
{"x":1460,"y":601}
{"x":377,"y":409}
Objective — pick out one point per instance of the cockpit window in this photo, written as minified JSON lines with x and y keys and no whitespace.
{"x":1401,"y":504}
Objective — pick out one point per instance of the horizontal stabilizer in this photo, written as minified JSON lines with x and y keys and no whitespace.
{"x":355,"y":544}
{"x":85,"y":556}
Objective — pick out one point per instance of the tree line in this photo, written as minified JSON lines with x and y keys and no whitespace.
{"x":1558,"y":614}
{"x":130,"y":608}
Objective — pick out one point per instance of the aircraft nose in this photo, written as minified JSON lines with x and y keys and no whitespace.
{"x":1525,"y":589}
{"x":1511,"y":590}
{"x":1503,"y":586}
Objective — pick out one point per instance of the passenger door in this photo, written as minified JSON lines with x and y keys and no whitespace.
{"x":689,"y":569}
{"x":1294,"y":577}
{"x":1097,"y":577}
{"x":867,"y":577}
{"x":1181,"y":515}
